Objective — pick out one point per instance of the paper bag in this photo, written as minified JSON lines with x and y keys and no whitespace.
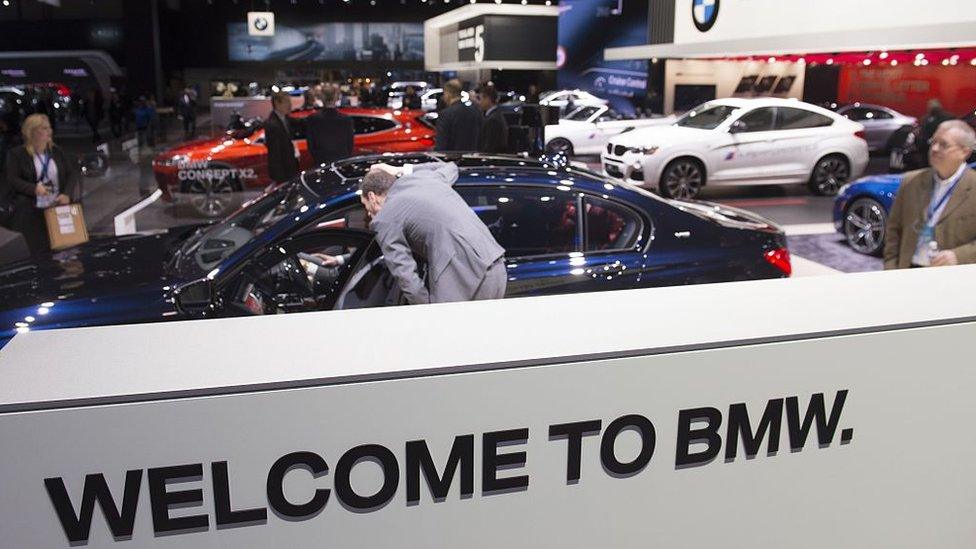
{"x":65,"y":226}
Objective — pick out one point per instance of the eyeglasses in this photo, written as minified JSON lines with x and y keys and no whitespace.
{"x":941,"y":145}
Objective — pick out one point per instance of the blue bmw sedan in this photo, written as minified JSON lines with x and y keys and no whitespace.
{"x":564,"y":229}
{"x":861,"y":210}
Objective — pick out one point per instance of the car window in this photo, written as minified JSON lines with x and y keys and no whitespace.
{"x":706,"y":118}
{"x":759,"y":120}
{"x":582,"y":114}
{"x":208,"y":246}
{"x":302,"y":274}
{"x":371,"y":285}
{"x":527,"y":221}
{"x":609,"y":226}
{"x":609,"y":116}
{"x":878,"y":114}
{"x":793,"y":119}
{"x":371,"y":124}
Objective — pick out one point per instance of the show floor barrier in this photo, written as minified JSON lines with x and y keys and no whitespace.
{"x":811,"y":412}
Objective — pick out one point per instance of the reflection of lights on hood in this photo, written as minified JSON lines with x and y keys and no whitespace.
{"x":23,"y":330}
{"x":562,"y":188}
{"x":29,"y":319}
{"x":575,"y":254}
{"x":43,"y":310}
{"x":21,"y":324}
{"x":213,"y":274}
{"x":576,"y":272}
{"x":48,"y":304}
{"x":577,"y":261}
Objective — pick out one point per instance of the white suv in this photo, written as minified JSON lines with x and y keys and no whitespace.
{"x":742,"y":142}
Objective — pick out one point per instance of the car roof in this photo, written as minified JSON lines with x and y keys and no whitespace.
{"x":334,"y":180}
{"x":756,"y":102}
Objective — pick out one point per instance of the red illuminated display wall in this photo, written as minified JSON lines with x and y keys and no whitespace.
{"x":908,"y":88}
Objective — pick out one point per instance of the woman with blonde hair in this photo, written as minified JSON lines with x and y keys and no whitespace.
{"x":39,"y":175}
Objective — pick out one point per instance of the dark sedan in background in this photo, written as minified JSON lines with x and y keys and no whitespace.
{"x":564,"y":230}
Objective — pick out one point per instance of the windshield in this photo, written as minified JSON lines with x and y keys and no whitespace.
{"x":705,"y":117}
{"x":210,"y":245}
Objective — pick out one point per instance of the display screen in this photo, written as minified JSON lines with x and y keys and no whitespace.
{"x":328,"y":42}
{"x":586,"y":29}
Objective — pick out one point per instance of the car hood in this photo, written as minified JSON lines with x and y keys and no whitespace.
{"x":198,"y":147}
{"x":888,"y":181}
{"x":661,"y":136}
{"x":113,"y":280}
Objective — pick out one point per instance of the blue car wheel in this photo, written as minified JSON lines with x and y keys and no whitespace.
{"x":864,"y":226}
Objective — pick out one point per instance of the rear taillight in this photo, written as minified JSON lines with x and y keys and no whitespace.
{"x":779,"y":258}
{"x":860,"y":134}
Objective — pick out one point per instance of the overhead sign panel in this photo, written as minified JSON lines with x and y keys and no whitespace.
{"x":496,"y":36}
{"x":260,"y":23}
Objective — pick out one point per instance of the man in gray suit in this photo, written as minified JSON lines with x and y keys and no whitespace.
{"x":417,"y":215}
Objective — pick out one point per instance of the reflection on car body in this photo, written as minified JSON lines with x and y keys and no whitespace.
{"x":564,"y":230}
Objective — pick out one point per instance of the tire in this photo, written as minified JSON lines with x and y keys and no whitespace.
{"x":213,"y":197}
{"x":683,"y":179}
{"x":864,"y":226}
{"x":830,"y":173}
{"x":560,"y":145}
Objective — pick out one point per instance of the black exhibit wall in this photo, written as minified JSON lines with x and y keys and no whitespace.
{"x":820,"y":83}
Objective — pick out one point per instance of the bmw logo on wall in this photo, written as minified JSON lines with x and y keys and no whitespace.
{"x":704,"y":13}
{"x":260,"y":23}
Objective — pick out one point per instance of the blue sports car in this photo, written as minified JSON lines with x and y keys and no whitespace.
{"x":861,"y":211}
{"x":564,"y":230}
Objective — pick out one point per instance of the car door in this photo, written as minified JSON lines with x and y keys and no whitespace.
{"x":797,"y":137}
{"x":876,"y":124}
{"x":295,"y":275}
{"x":749,"y":149}
{"x":557,"y":241}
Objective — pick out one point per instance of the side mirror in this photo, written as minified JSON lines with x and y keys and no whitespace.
{"x":195,"y":297}
{"x":738,"y":127}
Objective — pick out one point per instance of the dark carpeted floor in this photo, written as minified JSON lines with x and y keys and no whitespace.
{"x":831,"y":250}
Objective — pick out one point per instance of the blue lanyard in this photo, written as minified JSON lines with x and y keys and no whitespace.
{"x":46,"y":159}
{"x":945,"y":196}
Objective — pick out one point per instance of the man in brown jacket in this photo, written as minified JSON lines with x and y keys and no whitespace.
{"x":933,"y":219}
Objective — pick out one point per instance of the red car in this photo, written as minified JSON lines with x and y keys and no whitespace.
{"x":238,"y":159}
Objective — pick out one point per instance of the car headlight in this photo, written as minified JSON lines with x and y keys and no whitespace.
{"x":642,"y":150}
{"x":175,"y":160}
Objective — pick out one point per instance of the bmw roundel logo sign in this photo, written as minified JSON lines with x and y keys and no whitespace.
{"x":261,"y":23}
{"x":704,"y":13}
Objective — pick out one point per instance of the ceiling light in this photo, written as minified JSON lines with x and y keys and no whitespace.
{"x":830,"y":61}
{"x":973,"y":62}
{"x":883,"y":55}
{"x":945,"y":62}
{"x":894,"y":62}
{"x":771,"y":60}
{"x":866,"y":62}
{"x":920,"y":56}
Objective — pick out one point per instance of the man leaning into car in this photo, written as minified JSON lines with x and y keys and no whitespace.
{"x":933,"y":218}
{"x":417,"y":215}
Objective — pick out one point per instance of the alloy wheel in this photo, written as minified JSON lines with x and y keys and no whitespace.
{"x":560,"y":146}
{"x":682,"y":180}
{"x":212,"y":197}
{"x":830,"y":175}
{"x":864,"y":226}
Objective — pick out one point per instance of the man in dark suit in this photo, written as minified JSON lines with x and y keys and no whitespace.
{"x":494,"y":132}
{"x":329,"y":132}
{"x":282,"y":159}
{"x":458,"y":125}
